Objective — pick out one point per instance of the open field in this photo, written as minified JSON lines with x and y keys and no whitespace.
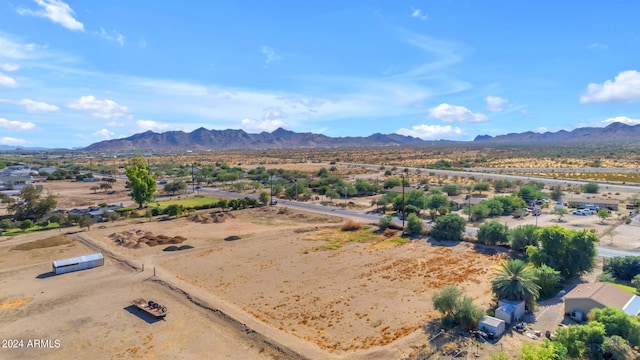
{"x":263,"y":283}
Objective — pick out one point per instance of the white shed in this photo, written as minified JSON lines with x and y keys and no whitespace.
{"x":78,"y":263}
{"x":510,"y":311}
{"x":491,"y":325}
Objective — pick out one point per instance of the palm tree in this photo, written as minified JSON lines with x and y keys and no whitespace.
{"x":515,"y":280}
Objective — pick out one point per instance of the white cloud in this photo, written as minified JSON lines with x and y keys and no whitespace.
{"x":455,"y":114}
{"x":597,"y":46}
{"x":624,"y":88}
{"x":496,"y":103}
{"x":56,"y":11}
{"x":11,"y":141}
{"x":418,"y":14}
{"x":527,"y":113}
{"x":111,"y":36}
{"x":145,"y":125}
{"x":264,"y":125}
{"x":622,"y":119}
{"x":270,"y":54}
{"x":432,"y":132}
{"x":37,"y":106}
{"x":9,"y":67}
{"x":104,"y":109}
{"x":541,"y":130}
{"x":273,"y":113}
{"x":9,"y":49}
{"x":7,"y":81}
{"x":104,"y":134}
{"x":16,"y":125}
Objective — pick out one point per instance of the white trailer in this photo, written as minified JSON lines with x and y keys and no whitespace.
{"x":78,"y":263}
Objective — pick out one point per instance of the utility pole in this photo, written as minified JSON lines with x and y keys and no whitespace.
{"x":193,"y":180}
{"x":469,"y":207}
{"x":402,"y":202}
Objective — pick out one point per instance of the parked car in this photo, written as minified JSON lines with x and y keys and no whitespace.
{"x":582,"y":212}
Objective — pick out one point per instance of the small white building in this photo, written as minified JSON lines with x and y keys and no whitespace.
{"x":492,"y":325}
{"x":78,"y":263}
{"x":510,"y":311}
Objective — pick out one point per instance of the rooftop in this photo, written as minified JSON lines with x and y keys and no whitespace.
{"x":605,"y":294}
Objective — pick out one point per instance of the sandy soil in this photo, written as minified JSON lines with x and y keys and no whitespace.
{"x":70,"y":194}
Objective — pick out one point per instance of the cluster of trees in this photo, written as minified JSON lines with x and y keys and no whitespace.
{"x":498,"y":206}
{"x":33,"y":205}
{"x":623,"y":268}
{"x":457,"y":309}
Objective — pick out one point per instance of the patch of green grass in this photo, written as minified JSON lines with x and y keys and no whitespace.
{"x":399,"y":240}
{"x":188,"y":202}
{"x":18,"y":231}
{"x":629,"y":289}
{"x":331,"y":245}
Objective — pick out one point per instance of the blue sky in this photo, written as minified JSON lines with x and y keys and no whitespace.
{"x":77,"y":72}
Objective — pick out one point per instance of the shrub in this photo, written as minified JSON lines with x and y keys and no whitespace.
{"x":351,"y":226}
{"x":415,"y":226}
{"x":385,"y":222}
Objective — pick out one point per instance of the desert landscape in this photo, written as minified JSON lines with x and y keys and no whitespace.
{"x":271,"y":282}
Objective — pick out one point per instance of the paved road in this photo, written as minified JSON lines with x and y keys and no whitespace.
{"x":479,"y":175}
{"x":602,"y":252}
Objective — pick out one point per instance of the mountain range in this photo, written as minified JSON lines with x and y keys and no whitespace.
{"x":202,"y":139}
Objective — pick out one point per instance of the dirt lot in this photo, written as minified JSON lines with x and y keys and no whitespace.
{"x":354,"y":302}
{"x":89,"y":313}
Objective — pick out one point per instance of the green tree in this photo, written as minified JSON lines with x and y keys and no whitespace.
{"x":456,"y":308}
{"x":516,"y":280}
{"x":451,"y":189}
{"x":546,"y":351}
{"x":582,"y":341}
{"x":615,"y":347}
{"x":522,"y":236}
{"x":415,"y":226}
{"x":175,"y":186}
{"x":446,"y":301}
{"x":264,"y":197}
{"x":26,"y":225}
{"x":468,"y":314}
{"x":223,"y":204}
{"x":332,"y":194}
{"x":449,"y":227}
{"x":481,"y":186}
{"x":529,"y":193}
{"x":603,"y":214}
{"x":572,"y":252}
{"x":492,"y":233}
{"x":591,"y":188}
{"x":617,"y":322}
{"x":385,"y":222}
{"x":85,"y":221}
{"x":438,"y":200}
{"x":635,"y":281}
{"x":556,"y":193}
{"x":480,"y":211}
{"x":32,"y":206}
{"x":560,"y":213}
{"x":174,"y":210}
{"x":141,"y":183}
{"x":548,"y":279}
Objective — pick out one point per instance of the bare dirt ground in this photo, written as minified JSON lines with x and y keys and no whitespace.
{"x":70,"y":194}
{"x":270,"y":294}
{"x":354,"y":302}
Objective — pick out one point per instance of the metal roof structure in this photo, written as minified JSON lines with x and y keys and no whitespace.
{"x":78,"y":260}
